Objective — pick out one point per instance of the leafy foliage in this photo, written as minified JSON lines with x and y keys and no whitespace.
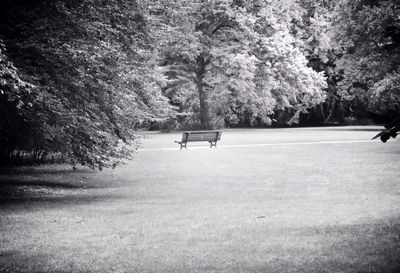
{"x":14,"y":104}
{"x":235,"y":62}
{"x":392,"y":129}
{"x":294,"y":86}
{"x":369,"y":35}
{"x":88,"y":64}
{"x":79,"y":78}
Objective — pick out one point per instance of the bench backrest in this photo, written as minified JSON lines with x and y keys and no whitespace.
{"x":201,"y":136}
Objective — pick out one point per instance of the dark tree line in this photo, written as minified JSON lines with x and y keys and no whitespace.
{"x":78,"y":78}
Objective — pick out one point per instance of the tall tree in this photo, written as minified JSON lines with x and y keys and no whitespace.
{"x":92,"y":73}
{"x":193,"y":34}
{"x":236,"y":61}
{"x":284,"y":71}
{"x":14,"y":102}
{"x":315,"y":31}
{"x":368,"y":33}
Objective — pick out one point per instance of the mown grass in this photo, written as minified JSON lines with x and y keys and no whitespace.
{"x":298,"y":208}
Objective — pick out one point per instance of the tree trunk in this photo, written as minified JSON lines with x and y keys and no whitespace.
{"x":331,"y":108}
{"x":204,"y":108}
{"x":341,"y":112}
{"x":205,"y":117}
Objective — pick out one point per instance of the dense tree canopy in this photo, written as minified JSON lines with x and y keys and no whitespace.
{"x":78,"y":78}
{"x":368,"y":34}
{"x":230,"y":62}
{"x":92,"y":78}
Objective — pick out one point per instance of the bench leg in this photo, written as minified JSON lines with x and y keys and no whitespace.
{"x":213,"y":144}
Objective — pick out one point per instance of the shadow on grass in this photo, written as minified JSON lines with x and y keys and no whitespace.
{"x":53,"y":184}
{"x":47,"y":169}
{"x":65,"y":199}
{"x":14,"y":192}
{"x":369,"y":248}
{"x":44,"y":184}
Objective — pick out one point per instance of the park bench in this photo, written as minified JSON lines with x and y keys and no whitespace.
{"x":210,"y":136}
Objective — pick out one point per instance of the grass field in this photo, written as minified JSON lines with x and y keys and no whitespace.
{"x":266,"y":200}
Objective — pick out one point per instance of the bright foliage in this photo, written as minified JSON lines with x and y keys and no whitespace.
{"x":78,"y":78}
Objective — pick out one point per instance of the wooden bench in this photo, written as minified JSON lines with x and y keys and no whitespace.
{"x":211,"y":136}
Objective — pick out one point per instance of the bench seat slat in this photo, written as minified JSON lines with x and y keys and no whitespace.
{"x":202,"y":137}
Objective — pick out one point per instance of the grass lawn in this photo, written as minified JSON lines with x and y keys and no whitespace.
{"x":286,"y":206}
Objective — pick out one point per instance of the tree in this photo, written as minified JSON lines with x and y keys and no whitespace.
{"x":283,"y":71}
{"x":13,"y":97}
{"x":235,"y":62}
{"x":192,"y":32}
{"x":368,"y":33}
{"x":92,"y":75}
{"x":315,"y":32}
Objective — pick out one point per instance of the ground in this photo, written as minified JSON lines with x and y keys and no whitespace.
{"x":266,"y":200}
